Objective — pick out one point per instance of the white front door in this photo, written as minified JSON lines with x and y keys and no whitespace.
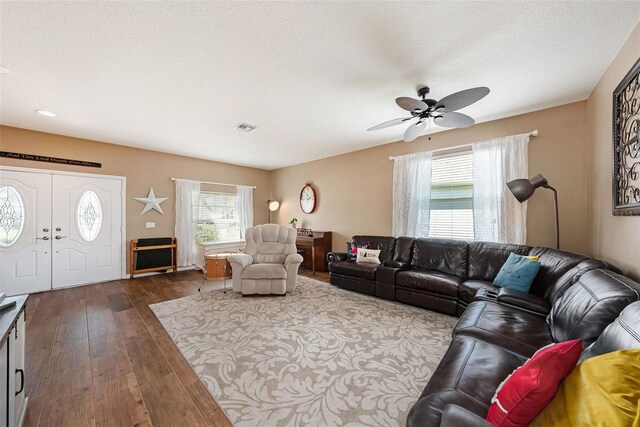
{"x":87,"y":230}
{"x":59,"y":230}
{"x":25,"y":237}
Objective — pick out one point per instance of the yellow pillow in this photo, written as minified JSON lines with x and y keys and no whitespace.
{"x":601,"y":391}
{"x":531,"y":257}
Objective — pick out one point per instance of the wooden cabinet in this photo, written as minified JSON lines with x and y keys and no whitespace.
{"x":13,"y":400}
{"x":315,"y":249}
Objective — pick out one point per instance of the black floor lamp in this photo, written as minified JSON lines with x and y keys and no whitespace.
{"x":523,"y":189}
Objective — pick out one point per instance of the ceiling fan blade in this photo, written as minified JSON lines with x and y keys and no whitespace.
{"x":453,"y":120}
{"x":461,"y":99}
{"x":411,"y":104}
{"x":414,"y":131}
{"x":390,"y":123}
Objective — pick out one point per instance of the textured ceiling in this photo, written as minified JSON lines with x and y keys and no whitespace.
{"x":313,"y":76}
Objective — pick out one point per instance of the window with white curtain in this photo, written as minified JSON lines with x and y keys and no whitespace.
{"x":452,"y":196}
{"x":217,"y":217}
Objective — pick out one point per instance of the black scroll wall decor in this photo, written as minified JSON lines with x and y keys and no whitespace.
{"x":626,"y":144}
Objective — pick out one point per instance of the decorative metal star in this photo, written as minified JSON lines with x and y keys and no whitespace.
{"x":151,"y":202}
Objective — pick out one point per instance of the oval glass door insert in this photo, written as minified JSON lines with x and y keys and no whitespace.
{"x":11,"y":216}
{"x":89,"y":216}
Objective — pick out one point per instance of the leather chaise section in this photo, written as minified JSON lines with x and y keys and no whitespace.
{"x":462,"y":378}
{"x":514,"y":330}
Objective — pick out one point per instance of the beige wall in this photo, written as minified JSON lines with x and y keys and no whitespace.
{"x":142,"y":168}
{"x":354,"y":189}
{"x":613,"y":238}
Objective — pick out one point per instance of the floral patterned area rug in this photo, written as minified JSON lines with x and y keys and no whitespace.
{"x":320,"y":356}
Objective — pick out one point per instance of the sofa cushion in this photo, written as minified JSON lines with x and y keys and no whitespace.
{"x":431,"y":281}
{"x":528,"y":390}
{"x":486,"y":258}
{"x":558,"y":288}
{"x":587,"y":307}
{"x":445,"y":256}
{"x":264,"y":271}
{"x":463,"y":378}
{"x":554,"y":263}
{"x":514,"y":330}
{"x":622,"y":334}
{"x":468,"y":289}
{"x":351,"y":268}
{"x":404,"y":249}
{"x":385,"y":244}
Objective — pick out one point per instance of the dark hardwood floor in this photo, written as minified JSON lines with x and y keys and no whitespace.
{"x":97,"y":355}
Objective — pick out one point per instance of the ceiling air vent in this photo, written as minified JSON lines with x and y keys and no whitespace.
{"x":245,"y":127}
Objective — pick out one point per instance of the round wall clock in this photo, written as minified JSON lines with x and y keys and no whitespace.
{"x":308,"y":198}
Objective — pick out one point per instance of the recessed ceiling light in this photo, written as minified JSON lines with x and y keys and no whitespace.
{"x":46,"y":113}
{"x":4,"y":70}
{"x":245,"y":127}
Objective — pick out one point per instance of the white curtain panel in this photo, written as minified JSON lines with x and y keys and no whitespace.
{"x":187,"y":198}
{"x":244,"y":207}
{"x":411,"y":195}
{"x":497,"y":215}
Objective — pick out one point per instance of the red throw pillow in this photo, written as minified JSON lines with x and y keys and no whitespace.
{"x":524,"y":393}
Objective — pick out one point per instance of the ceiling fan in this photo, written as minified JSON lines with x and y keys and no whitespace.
{"x":442,"y":112}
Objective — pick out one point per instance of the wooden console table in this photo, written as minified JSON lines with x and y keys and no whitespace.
{"x":315,"y":249}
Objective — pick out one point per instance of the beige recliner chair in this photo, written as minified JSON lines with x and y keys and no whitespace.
{"x":269,"y":263}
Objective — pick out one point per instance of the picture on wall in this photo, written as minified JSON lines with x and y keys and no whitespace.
{"x":626,"y":144}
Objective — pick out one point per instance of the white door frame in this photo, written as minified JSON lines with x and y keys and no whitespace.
{"x":123,"y":213}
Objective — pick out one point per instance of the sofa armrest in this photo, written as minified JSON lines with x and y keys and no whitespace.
{"x":242,"y":259}
{"x":292,"y":259}
{"x":336,"y":256}
{"x":456,"y":416}
{"x":397,"y":264}
{"x":528,"y":302}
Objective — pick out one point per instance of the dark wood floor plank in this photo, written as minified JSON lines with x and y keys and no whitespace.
{"x":148,"y":362}
{"x":129,"y":323}
{"x":42,"y":333}
{"x":119,"y":302}
{"x":120,"y":403}
{"x":51,"y":306}
{"x":170,"y":409}
{"x":69,"y":385}
{"x":109,"y":360}
{"x":34,"y":407}
{"x":207,"y":406}
{"x":79,"y":416}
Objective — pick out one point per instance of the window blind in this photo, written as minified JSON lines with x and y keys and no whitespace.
{"x":217,"y":217}
{"x":452,"y":196}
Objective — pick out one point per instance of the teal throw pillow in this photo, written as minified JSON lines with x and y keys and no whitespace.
{"x":517,"y":273}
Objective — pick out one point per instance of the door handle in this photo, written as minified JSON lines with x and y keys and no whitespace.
{"x":21,"y":372}
{"x":60,"y":237}
{"x":42,"y":238}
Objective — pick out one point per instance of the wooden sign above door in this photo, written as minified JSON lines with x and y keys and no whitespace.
{"x":49,"y":159}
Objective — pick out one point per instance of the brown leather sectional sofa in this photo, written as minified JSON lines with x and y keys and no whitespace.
{"x":573,"y":296}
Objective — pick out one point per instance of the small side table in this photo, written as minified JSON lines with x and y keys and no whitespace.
{"x":216,"y":265}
